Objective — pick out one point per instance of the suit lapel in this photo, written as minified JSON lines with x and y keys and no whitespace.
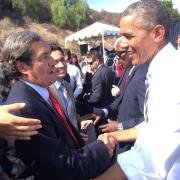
{"x":131,"y":75}
{"x":129,"y":80}
{"x":54,"y":91}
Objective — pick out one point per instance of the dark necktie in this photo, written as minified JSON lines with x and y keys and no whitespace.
{"x":61,"y":115}
{"x":68,"y":105}
{"x":126,"y":78}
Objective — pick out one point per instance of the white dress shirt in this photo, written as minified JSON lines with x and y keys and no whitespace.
{"x":75,"y":79}
{"x":156,"y":153}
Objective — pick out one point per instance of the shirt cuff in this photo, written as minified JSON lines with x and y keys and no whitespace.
{"x":120,"y":126}
{"x":140,"y":126}
{"x":105,"y":112}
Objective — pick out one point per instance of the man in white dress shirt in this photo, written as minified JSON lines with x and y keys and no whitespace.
{"x":74,"y":73}
{"x":144,"y":26}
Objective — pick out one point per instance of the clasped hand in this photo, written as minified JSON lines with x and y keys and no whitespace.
{"x":109,"y":141}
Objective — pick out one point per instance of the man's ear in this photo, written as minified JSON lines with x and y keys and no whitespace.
{"x":159,"y":33}
{"x":21,"y":67}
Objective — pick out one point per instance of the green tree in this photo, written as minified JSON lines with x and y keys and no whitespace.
{"x":174,"y":13}
{"x":64,"y":13}
{"x":69,"y":13}
{"x":32,"y":8}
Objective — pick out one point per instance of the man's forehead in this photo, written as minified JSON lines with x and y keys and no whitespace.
{"x":56,"y":53}
{"x":129,"y":24}
{"x":117,"y":44}
{"x":39,"y":46}
{"x":89,"y":59}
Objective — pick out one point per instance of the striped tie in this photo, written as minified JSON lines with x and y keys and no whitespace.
{"x":146,"y":101}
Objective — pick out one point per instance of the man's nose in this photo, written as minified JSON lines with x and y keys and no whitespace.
{"x":60,"y":65}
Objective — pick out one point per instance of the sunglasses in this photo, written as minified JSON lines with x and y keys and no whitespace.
{"x":121,"y":53}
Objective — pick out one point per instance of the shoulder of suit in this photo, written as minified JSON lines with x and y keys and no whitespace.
{"x":143,"y":68}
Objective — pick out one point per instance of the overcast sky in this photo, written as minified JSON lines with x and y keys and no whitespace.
{"x":117,"y":5}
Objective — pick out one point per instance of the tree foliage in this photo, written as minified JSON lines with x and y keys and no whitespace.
{"x":69,"y":13}
{"x":64,"y":13}
{"x":28,"y":7}
{"x":174,"y":13}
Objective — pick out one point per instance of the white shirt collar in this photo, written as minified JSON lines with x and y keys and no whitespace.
{"x":162,"y":55}
{"x":58,"y":84}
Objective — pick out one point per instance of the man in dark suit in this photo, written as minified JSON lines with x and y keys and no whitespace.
{"x":127,"y":109}
{"x":128,"y":105}
{"x":102,"y":82}
{"x":57,"y":151}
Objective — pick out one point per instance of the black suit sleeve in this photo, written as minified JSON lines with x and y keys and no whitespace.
{"x":113,"y":107}
{"x":49,"y":156}
{"x":97,"y":90}
{"x":51,"y":159}
{"x":130,"y":123}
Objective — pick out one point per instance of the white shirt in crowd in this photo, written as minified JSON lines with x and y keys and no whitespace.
{"x":75,"y":79}
{"x":156,"y":153}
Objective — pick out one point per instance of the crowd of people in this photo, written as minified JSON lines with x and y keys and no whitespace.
{"x":63,"y":120}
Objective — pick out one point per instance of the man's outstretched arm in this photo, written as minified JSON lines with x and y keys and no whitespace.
{"x":14,"y":127}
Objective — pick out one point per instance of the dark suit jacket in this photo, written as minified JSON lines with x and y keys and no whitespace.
{"x":52,"y":153}
{"x":102,"y":82}
{"x":129,"y":105}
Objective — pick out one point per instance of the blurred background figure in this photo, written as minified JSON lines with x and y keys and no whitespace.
{"x":75,"y":74}
{"x":126,"y":65}
{"x":83,"y":107}
{"x":118,"y":67}
{"x":74,"y":61}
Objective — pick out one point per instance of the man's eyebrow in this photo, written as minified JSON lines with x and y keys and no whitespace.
{"x":126,"y":34}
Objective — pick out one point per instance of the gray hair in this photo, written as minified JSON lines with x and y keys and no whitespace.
{"x":149,"y":13}
{"x":18,"y":47}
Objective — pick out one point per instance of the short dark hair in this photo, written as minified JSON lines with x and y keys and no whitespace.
{"x":56,"y":47}
{"x":73,"y":55}
{"x":18,"y":47}
{"x":68,"y":53}
{"x":95,"y":55}
{"x":151,"y":13}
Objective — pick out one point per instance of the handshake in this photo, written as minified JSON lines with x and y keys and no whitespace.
{"x":106,"y":138}
{"x":90,"y":120}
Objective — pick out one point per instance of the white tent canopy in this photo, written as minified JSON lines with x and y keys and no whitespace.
{"x":94,"y":30}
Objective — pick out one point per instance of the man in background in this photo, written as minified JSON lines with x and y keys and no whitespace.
{"x":101,"y":83}
{"x":74,"y":73}
{"x":62,"y":89}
